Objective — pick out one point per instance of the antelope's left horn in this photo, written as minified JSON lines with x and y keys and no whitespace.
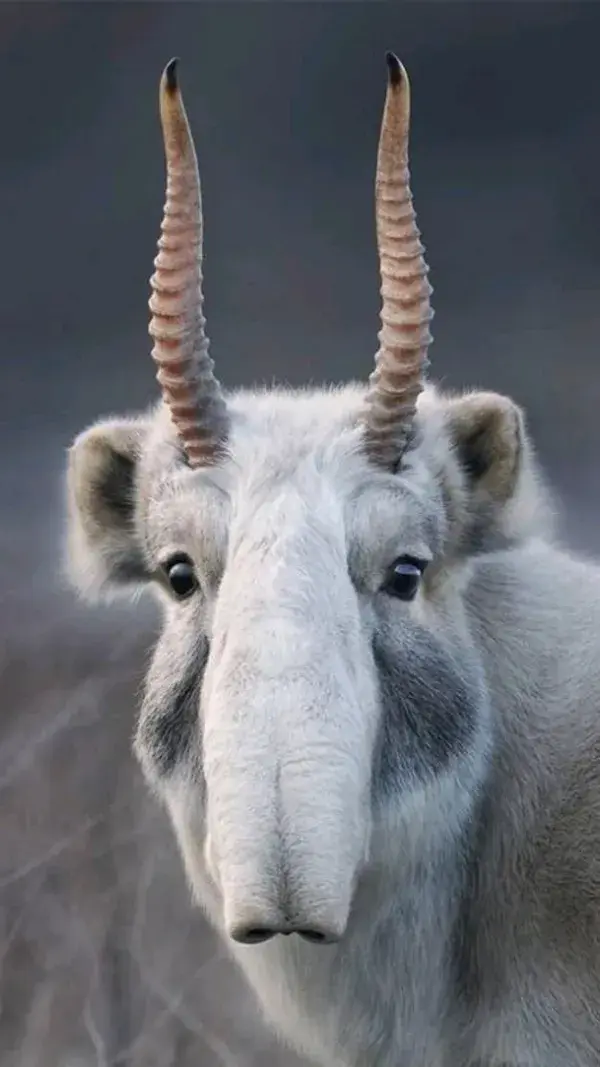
{"x":185,"y":369}
{"x":404,"y":338}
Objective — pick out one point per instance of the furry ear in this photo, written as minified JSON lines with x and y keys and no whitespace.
{"x":503,"y":500}
{"x":488,"y":433}
{"x":104,"y":553}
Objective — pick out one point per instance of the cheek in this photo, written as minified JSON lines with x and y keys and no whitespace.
{"x":432,"y":703}
{"x":185,"y":802}
{"x":168,"y":732}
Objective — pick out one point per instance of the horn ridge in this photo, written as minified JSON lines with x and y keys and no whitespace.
{"x":185,"y":372}
{"x":404,"y":337}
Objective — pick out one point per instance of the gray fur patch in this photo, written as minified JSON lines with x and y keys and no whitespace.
{"x":168,"y":724}
{"x":430,"y":711}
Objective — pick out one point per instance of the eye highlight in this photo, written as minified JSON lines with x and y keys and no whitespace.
{"x":404,"y":577}
{"x":180,"y":574}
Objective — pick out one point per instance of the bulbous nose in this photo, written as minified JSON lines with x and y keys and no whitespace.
{"x":248,"y":934}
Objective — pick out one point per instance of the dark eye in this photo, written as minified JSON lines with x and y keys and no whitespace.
{"x":404,"y":578}
{"x":180,"y":576}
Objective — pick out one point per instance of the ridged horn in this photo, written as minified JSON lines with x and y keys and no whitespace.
{"x":185,"y":369}
{"x":404,"y":338}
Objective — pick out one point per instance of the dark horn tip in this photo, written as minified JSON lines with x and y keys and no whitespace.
{"x":171,"y":74}
{"x":394,"y":68}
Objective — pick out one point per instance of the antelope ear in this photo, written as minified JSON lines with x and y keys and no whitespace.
{"x":488,"y":433}
{"x":103,"y":552}
{"x":492,"y":448}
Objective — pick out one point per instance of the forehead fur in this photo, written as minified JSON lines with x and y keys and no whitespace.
{"x":274,"y":430}
{"x":305,"y":438}
{"x":312,"y":438}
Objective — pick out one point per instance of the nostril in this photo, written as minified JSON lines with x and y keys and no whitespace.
{"x":253,"y":935}
{"x":318,"y":937}
{"x":256,"y":935}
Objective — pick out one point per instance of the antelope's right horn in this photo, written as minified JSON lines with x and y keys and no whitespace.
{"x":185,"y":369}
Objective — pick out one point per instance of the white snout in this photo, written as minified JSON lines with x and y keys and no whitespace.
{"x":290,"y":715}
{"x":288,"y":816}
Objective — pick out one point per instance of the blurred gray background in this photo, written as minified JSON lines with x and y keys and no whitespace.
{"x":103,"y":961}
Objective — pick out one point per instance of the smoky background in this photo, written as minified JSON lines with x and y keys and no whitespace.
{"x":103,"y":961}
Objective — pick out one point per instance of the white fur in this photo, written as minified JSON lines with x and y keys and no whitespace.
{"x":468,"y":899}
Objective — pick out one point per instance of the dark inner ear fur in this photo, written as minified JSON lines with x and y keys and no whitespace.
{"x":487,"y":432}
{"x":488,"y":435}
{"x":111,"y":487}
{"x":102,"y":468}
{"x":101,"y":485}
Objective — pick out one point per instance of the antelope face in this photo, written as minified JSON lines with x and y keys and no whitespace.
{"x":314,"y":667}
{"x":310,"y":551}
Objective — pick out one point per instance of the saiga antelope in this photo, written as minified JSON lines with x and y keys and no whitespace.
{"x":373,"y":713}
